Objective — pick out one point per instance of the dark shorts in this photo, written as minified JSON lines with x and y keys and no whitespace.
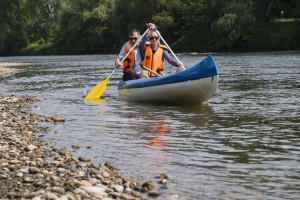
{"x":130,"y":75}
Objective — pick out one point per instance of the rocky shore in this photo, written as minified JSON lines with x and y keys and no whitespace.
{"x":32,"y":168}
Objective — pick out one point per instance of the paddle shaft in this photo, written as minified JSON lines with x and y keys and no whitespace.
{"x":146,"y":68}
{"x":168,"y":47}
{"x":129,"y":51}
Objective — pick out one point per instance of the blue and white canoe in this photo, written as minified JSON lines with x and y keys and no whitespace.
{"x":191,"y":86}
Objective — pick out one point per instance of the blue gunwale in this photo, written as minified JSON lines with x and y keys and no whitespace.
{"x":205,"y":68}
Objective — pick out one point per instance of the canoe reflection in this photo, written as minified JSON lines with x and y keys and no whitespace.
{"x":156,"y":125}
{"x":158,"y":129}
{"x":151,"y":126}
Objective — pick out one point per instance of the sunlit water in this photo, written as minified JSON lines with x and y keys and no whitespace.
{"x":243,"y":144}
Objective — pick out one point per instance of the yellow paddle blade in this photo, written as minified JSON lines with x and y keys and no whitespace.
{"x":98,"y":90}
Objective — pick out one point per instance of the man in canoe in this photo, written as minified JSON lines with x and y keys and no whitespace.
{"x":155,"y":54}
{"x":132,"y":64}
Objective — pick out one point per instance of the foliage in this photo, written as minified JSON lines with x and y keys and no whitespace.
{"x":230,"y":28}
{"x":12,"y":33}
{"x":129,"y":14}
{"x":102,"y":26}
{"x":84,"y":26}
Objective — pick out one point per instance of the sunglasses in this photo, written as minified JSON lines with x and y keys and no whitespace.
{"x":152,"y":38}
{"x":133,"y":38}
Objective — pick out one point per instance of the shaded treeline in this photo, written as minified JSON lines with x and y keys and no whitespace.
{"x":101,"y":26}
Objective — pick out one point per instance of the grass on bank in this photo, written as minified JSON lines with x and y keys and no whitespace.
{"x":38,"y":48}
{"x":285,"y":20}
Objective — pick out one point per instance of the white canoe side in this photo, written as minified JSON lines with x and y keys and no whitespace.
{"x":186,"y":92}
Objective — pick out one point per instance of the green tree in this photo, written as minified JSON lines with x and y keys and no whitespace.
{"x":12,"y":32}
{"x":234,"y":26}
{"x":129,"y":14}
{"x":40,"y":22}
{"x":198,"y":17}
{"x":84,"y":26}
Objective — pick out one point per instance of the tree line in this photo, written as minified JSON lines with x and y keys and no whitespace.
{"x":31,"y":27}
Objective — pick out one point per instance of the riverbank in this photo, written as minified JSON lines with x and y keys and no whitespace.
{"x":32,"y":168}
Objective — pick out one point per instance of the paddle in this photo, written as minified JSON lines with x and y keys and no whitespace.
{"x":98,"y":90}
{"x":168,"y":47}
{"x":146,"y":68}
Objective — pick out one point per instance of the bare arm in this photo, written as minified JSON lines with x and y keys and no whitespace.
{"x":121,"y":55}
{"x":171,"y":60}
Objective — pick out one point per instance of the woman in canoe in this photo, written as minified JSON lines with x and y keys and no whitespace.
{"x":155,"y":54}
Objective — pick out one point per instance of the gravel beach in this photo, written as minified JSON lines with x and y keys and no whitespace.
{"x":32,"y":168}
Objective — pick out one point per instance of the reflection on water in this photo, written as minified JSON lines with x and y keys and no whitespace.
{"x":152,"y":127}
{"x":98,"y":101}
{"x":243,"y":144}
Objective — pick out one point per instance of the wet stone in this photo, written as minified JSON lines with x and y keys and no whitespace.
{"x":58,"y":118}
{"x":95,"y":191}
{"x":115,"y":195}
{"x":50,"y":196}
{"x":61,"y":170}
{"x":58,"y":190}
{"x":119,"y":188}
{"x":83,"y":159}
{"x":156,"y":193}
{"x":28,"y":180}
{"x":3,"y":176}
{"x":105,"y":174}
{"x":15,"y":162}
{"x":33,"y":170}
{"x":30,"y":147}
{"x":55,"y":178}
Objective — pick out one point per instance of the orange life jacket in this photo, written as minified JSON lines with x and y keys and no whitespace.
{"x":128,"y":63}
{"x":154,"y":62}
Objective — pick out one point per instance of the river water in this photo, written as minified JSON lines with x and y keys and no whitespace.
{"x":243,"y":144}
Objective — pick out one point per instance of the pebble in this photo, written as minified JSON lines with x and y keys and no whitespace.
{"x":15,"y":162}
{"x":30,"y":147}
{"x":86,"y":183}
{"x":19,"y":174}
{"x":24,"y":170}
{"x":28,"y":180}
{"x":58,"y":190}
{"x":83,"y":159}
{"x":50,"y":196}
{"x":95,"y":191}
{"x":55,"y":178}
{"x":61,"y":170}
{"x":105,"y":174}
{"x":58,"y":118}
{"x":33,"y":170}
{"x":80,"y":191}
{"x":119,"y":188}
{"x":156,"y":193}
{"x":164,"y":176}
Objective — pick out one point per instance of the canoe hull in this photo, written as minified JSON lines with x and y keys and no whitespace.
{"x":192,"y":91}
{"x":194,"y":85}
